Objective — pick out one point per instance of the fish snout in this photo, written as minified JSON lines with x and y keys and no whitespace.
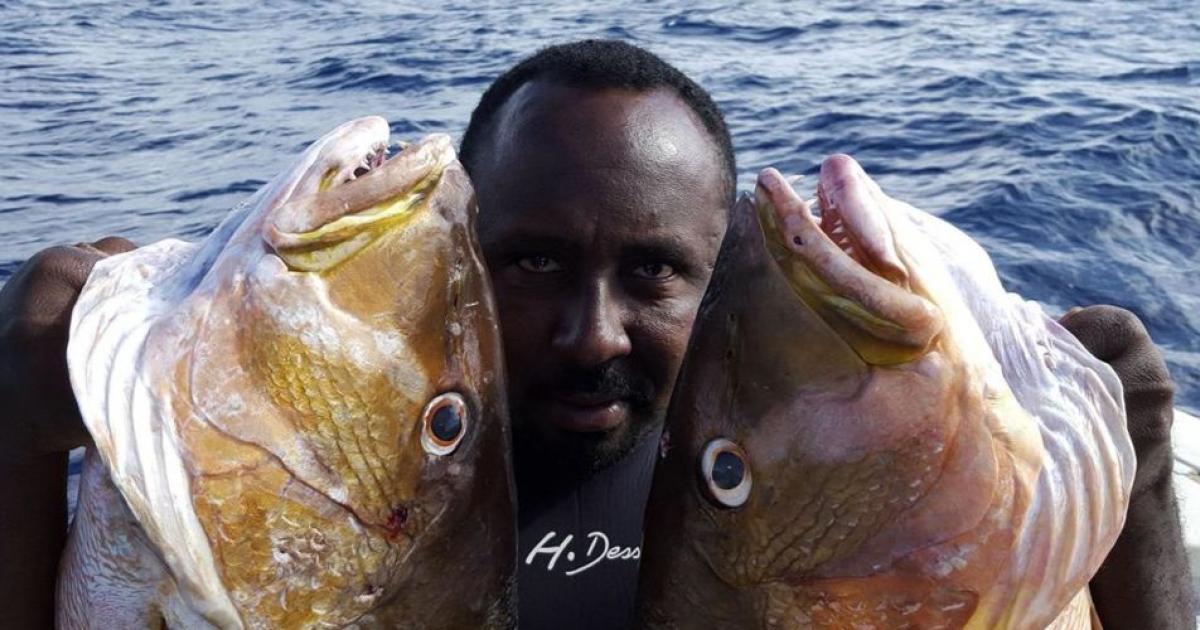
{"x":847,"y":195}
{"x":845,"y":264}
{"x":318,"y":231}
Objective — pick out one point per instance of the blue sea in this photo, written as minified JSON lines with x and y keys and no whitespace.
{"x":1064,"y":136}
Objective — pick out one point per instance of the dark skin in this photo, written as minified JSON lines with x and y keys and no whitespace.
{"x":1145,"y":580}
{"x":600,"y":218}
{"x":584,"y":208}
{"x":40,"y":424}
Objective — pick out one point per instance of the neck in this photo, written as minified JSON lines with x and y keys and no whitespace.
{"x":545,"y":473}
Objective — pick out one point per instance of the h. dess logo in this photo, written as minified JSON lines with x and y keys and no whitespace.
{"x":598,"y":550}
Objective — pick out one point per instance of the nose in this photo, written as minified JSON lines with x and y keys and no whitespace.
{"x":592,"y":330}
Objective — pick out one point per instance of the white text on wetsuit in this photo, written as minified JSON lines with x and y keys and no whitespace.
{"x":598,"y":549}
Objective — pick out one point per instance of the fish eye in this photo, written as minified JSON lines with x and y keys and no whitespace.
{"x":443,"y":423}
{"x":725,"y":474}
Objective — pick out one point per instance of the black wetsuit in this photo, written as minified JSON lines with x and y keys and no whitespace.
{"x":598,"y":514}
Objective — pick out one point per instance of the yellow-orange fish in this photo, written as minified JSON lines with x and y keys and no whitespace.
{"x":299,"y":421}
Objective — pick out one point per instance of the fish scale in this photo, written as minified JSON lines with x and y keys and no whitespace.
{"x":834,"y":527}
{"x":327,"y":403}
{"x":287,"y":599}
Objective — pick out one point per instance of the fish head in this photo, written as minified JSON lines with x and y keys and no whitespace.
{"x":369,"y":332}
{"x":327,"y":367}
{"x":842,"y":446}
{"x":848,"y":265}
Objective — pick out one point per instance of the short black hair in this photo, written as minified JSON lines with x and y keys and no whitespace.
{"x":598,"y":63}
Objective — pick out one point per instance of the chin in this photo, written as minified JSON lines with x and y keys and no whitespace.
{"x":547,"y":448}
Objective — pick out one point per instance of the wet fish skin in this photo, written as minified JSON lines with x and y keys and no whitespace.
{"x":920,"y":448}
{"x":264,"y":403}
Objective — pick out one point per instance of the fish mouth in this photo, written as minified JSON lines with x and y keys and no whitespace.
{"x":845,"y":264}
{"x":363,"y":191}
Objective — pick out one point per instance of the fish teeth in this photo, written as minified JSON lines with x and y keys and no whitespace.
{"x":393,"y":148}
{"x":838,"y":233}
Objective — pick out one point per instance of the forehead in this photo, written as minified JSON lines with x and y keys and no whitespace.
{"x":638,"y":159}
{"x":654,"y":126}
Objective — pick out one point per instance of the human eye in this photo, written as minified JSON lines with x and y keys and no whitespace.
{"x":653,"y":271}
{"x":538,"y":264}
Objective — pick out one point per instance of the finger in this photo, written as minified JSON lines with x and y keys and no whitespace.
{"x":52,"y":274}
{"x":1117,"y":337}
{"x":1105,"y":330}
{"x":89,"y":249}
{"x":37,"y":303}
{"x":111,"y":245}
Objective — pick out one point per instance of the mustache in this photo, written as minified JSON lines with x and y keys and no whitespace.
{"x":615,"y":379}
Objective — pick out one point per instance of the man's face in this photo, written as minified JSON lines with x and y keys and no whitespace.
{"x":601,"y":213}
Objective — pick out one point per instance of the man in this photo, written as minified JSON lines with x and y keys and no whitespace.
{"x":604,"y":176}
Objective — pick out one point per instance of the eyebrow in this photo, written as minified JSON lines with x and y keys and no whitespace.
{"x":661,"y":248}
{"x":536,"y":241}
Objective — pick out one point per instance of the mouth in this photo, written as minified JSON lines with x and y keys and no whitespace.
{"x":362,"y":195}
{"x":861,"y":231}
{"x":587,"y":412}
{"x":845,"y":263}
{"x":375,"y":156}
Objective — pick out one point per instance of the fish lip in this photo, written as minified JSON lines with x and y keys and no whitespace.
{"x":308,"y":213}
{"x":336,"y":155}
{"x":851,"y":250}
{"x":318,"y":231}
{"x":868,"y":237}
{"x":350,"y":145}
{"x":872,"y":289}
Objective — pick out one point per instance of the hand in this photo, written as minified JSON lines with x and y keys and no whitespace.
{"x":1145,"y":580}
{"x":39,"y":422}
{"x":35,"y":313}
{"x":1117,"y":337}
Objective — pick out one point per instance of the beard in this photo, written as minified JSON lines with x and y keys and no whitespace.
{"x":541,"y":448}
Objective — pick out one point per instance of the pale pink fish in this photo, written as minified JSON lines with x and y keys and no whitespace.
{"x":869,"y":432}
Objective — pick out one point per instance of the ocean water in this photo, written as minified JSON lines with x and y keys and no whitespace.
{"x":1064,"y":136}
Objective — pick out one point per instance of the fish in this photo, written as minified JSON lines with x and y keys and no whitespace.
{"x":299,"y":421}
{"x":868,"y":431}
